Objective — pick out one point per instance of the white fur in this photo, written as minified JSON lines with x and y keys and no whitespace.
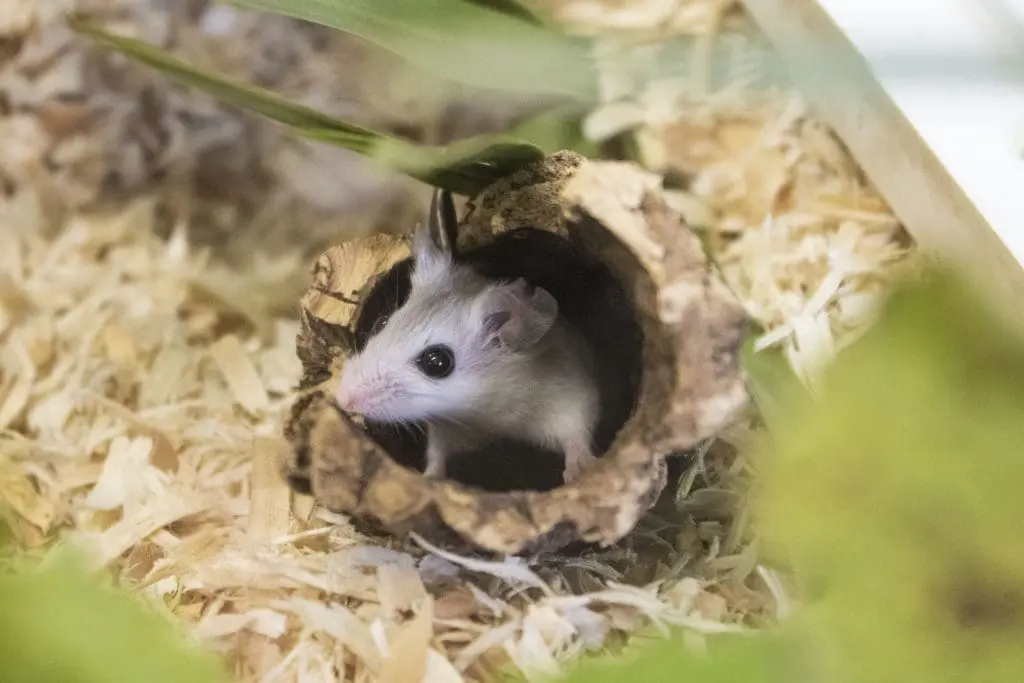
{"x":544,"y":393}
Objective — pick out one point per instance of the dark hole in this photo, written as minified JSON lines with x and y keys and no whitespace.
{"x":589,"y":297}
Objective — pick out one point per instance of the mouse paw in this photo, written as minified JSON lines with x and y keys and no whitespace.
{"x":436,"y":456}
{"x":434,"y":470}
{"x":574,"y":466}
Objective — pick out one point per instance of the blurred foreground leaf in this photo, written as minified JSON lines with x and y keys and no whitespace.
{"x":556,"y":130}
{"x":773,"y":385}
{"x":461,"y":40}
{"x":59,"y":626}
{"x":758,"y":658}
{"x":901,"y":494}
{"x":512,"y":8}
{"x":463,"y":167}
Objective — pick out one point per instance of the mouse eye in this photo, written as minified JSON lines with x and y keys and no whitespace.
{"x":436,"y":362}
{"x":379,"y":324}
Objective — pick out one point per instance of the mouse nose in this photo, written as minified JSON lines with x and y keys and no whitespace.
{"x":346,"y":401}
{"x":356,"y":393}
{"x":346,"y":394}
{"x":350,"y":400}
{"x":343,"y":397}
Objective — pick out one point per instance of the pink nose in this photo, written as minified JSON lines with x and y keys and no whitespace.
{"x":350,"y":400}
{"x":344,"y":399}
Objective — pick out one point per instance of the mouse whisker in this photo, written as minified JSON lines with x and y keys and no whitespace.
{"x":404,"y":428}
{"x":451,"y":419}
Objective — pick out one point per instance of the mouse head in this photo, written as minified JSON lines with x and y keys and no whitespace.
{"x":451,"y":348}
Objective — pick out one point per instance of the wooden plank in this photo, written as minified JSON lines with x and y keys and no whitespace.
{"x":943,"y":146}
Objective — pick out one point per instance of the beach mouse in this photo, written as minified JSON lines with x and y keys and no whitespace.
{"x":475,"y":359}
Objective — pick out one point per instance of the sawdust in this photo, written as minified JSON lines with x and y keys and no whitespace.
{"x":143,"y":383}
{"x":798,"y":232}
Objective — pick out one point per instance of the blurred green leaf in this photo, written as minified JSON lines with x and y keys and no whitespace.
{"x":463,"y":167}
{"x":556,"y":130}
{"x":59,"y":626}
{"x":771,"y":381}
{"x":900,"y":495}
{"x":757,"y":658}
{"x":512,"y":8}
{"x":461,"y":40}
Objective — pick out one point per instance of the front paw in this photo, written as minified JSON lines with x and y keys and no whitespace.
{"x":434,"y":470}
{"x":574,"y":467}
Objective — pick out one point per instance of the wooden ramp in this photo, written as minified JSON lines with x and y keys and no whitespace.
{"x":929,"y":97}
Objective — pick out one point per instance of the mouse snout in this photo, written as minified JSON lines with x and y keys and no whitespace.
{"x":357,"y":396}
{"x":344,"y":399}
{"x":350,"y":399}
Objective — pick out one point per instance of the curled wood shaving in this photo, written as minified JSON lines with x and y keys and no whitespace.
{"x":512,"y":569}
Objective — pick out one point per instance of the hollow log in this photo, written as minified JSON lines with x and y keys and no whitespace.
{"x":673,"y":375}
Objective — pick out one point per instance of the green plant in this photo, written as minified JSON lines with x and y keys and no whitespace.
{"x":492,"y":45}
{"x":58,"y":624}
{"x":496,"y":45}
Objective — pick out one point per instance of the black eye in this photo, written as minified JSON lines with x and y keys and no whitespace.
{"x":379,"y":324}
{"x":436,"y":361}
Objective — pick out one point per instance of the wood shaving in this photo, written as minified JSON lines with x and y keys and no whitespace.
{"x":799,"y":234}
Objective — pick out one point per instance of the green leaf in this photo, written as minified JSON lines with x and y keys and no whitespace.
{"x":464,"y":167}
{"x":556,"y":130}
{"x":460,"y":40}
{"x":757,"y":658}
{"x":899,"y":494}
{"x":772,"y":383}
{"x":512,"y":8}
{"x":56,"y":624}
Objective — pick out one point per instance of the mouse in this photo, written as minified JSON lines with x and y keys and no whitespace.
{"x":475,"y":360}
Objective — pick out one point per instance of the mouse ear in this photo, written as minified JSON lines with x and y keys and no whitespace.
{"x":516,"y":315}
{"x":443,"y":224}
{"x":432,"y":257}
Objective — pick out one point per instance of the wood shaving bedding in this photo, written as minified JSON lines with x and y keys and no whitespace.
{"x":800,"y":235}
{"x":148,"y":432}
